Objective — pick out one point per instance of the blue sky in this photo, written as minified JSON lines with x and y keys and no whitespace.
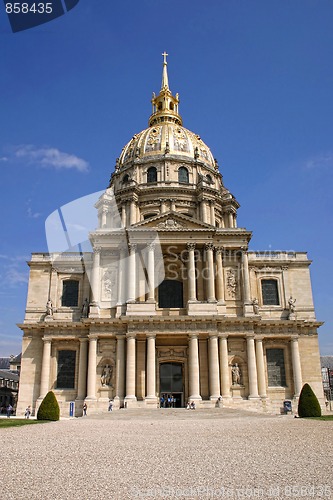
{"x":255,"y":79}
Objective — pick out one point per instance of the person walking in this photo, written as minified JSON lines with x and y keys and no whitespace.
{"x":85,"y":409}
{"x":27,"y":412}
{"x":9,"y":410}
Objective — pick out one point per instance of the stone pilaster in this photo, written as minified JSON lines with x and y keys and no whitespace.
{"x":132,"y":273}
{"x":45,"y":373}
{"x":214,"y":370}
{"x":209,"y":248}
{"x":191,"y":273}
{"x":151,"y":272}
{"x":224,"y":361}
{"x":151,"y":368}
{"x":252,"y":368}
{"x":95,"y":278}
{"x":194,"y":375}
{"x":91,"y":386}
{"x":82,"y":378}
{"x":120,"y":371}
{"x":248,"y":307}
{"x":260,"y":368}
{"x":130,"y":369}
{"x":297,"y":370}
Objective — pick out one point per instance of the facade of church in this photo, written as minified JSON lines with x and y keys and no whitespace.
{"x":170,"y":305}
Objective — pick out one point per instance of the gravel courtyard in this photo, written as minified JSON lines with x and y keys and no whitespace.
{"x":168,"y":454}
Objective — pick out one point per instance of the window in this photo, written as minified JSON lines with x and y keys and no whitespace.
{"x":70,"y":293}
{"x":125,"y":178}
{"x":270,"y":294}
{"x":170,"y":294}
{"x":152,"y":174}
{"x":148,"y":216}
{"x":66,"y":370}
{"x":209,"y":179}
{"x":183,"y":175}
{"x":275,"y":368}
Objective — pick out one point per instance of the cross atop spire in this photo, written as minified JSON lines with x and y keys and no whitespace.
{"x":165,"y":105}
{"x":165,"y":80}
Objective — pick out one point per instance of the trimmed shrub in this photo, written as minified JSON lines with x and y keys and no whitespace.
{"x":308,"y":404}
{"x":49,"y":408}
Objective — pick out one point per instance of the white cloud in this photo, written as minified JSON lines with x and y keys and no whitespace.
{"x":324,"y":160}
{"x":4,"y":158}
{"x":52,"y":157}
{"x":13,"y":270}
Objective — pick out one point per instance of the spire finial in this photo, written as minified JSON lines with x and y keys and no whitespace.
{"x":165,"y":81}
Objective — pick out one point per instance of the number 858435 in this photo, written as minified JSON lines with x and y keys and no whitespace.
{"x":25,"y":8}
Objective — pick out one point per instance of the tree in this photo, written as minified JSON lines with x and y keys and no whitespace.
{"x":49,"y":408}
{"x":308,"y":404}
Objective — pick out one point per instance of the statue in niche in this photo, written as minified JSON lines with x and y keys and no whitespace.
{"x":106,"y":376}
{"x":236,"y":374}
{"x":49,"y":308}
{"x":255,"y":304}
{"x":85,"y":309}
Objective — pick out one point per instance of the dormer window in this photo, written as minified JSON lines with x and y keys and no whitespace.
{"x":183,"y":175}
{"x":125,"y":178}
{"x":151,"y":174}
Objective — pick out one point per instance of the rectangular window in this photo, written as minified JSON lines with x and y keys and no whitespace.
{"x":275,"y":368}
{"x":70,"y":293}
{"x":66,"y":370}
{"x":270,"y":294}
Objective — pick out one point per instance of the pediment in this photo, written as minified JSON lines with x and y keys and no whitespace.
{"x":172,"y":221}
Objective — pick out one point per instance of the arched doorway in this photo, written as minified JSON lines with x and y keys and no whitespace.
{"x":172,"y":385}
{"x":170,"y":294}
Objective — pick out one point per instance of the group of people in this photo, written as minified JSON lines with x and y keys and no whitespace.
{"x":167,"y":401}
{"x":190,"y":405}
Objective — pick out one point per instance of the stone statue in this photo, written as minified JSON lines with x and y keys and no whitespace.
{"x":85,"y":309}
{"x":255,"y":304}
{"x":236,"y":374}
{"x":49,"y":308}
{"x":106,"y":375}
{"x":291,"y":303}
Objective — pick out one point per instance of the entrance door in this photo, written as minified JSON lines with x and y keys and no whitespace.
{"x":171,"y":384}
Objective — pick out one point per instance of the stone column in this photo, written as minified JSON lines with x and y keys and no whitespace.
{"x":130,"y":368}
{"x":192,"y":296}
{"x":219,"y":278}
{"x":132,"y":273}
{"x":224,"y":360}
{"x":212,"y":213}
{"x":45,"y":374}
{"x":104,"y":216}
{"x":204,"y":211}
{"x":120,"y":369}
{"x":123,"y":215}
{"x":252,"y":367}
{"x":194,"y":376}
{"x":82,"y":379}
{"x":209,"y":247}
{"x":91,"y":389}
{"x":132,"y":212}
{"x":121,"y":276}
{"x":151,"y":367}
{"x":163,"y":206}
{"x":230,"y":219}
{"x":151,"y":272}
{"x":297,"y":370}
{"x":214,"y":371}
{"x":261,"y":368}
{"x":95,"y":278}
{"x":235,"y":220}
{"x":246,"y":277}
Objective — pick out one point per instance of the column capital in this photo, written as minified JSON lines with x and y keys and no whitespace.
{"x":193,"y":336}
{"x":151,"y":335}
{"x":47,"y":340}
{"x":97,"y":250}
{"x":132,"y":247}
{"x":209,"y":246}
{"x":190,"y":245}
{"x":294,"y":338}
{"x":250,"y":336}
{"x":244,"y":249}
{"x":82,"y":340}
{"x":151,"y":245}
{"x":259,"y":338}
{"x":130,"y":335}
{"x":223,"y":335}
{"x":213,"y":336}
{"x":121,"y":336}
{"x":219,"y":250}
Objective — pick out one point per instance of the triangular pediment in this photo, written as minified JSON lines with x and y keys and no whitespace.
{"x":172,"y":221}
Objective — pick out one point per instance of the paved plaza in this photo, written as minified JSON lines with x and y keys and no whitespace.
{"x":171,"y":453}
